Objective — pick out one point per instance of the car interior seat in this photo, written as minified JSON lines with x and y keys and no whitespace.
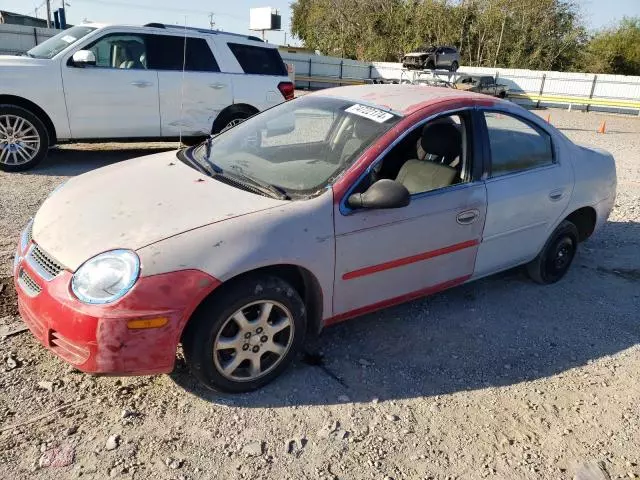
{"x":440,"y":140}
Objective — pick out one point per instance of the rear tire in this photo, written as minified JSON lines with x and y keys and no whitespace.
{"x":232,"y":117}
{"x":430,"y":65}
{"x":556,"y":257}
{"x":454,"y":67}
{"x":24,"y":140}
{"x":239,"y":352}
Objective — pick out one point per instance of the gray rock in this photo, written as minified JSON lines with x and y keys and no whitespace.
{"x":174,"y":463}
{"x":46,"y":385}
{"x":253,"y":449}
{"x":295,"y":446}
{"x":71,"y":430}
{"x":592,"y":471}
{"x":112,"y":442}
{"x":392,"y":418}
{"x":12,"y":363}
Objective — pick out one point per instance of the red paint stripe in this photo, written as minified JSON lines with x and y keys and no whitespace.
{"x":397,"y":300}
{"x":408,"y":260}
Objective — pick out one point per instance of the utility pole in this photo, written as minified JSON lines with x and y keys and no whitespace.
{"x":211,"y":22}
{"x":48,"y":13}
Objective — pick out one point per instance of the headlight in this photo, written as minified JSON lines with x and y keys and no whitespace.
{"x":106,"y":277}
{"x":25,"y":237}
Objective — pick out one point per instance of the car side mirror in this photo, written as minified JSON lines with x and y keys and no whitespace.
{"x":84,"y":58}
{"x":384,"y":193}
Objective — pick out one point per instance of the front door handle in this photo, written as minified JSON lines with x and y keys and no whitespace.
{"x":217,"y":86}
{"x":556,"y":195}
{"x":467,"y":217}
{"x":141,"y":84}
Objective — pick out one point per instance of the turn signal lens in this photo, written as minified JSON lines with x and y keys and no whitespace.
{"x":142,"y":323}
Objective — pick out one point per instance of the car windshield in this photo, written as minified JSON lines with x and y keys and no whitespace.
{"x":298,"y":147}
{"x":50,"y":48}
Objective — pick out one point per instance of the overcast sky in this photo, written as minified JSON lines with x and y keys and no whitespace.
{"x":233,"y":15}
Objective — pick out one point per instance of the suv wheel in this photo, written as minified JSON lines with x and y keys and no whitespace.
{"x":246,"y":335}
{"x":431,"y":65}
{"x":454,"y":67}
{"x":24,"y":140}
{"x":231,"y":117}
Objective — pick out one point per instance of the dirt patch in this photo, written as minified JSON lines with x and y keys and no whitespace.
{"x":8,"y":301}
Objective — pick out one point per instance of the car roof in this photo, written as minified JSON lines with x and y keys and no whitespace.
{"x":404,"y":99}
{"x":159,"y":27}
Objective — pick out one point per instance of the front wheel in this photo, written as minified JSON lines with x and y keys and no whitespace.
{"x":454,"y":67}
{"x":246,"y":335}
{"x":24,"y":140}
{"x":554,"y":260}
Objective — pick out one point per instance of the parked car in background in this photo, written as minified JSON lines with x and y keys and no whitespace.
{"x":108,"y":82}
{"x":432,"y":58}
{"x":481,"y":84}
{"x":290,"y":221}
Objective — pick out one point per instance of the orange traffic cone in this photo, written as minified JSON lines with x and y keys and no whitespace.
{"x":549,"y":118}
{"x":603,"y":127}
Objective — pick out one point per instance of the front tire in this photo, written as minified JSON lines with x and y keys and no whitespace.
{"x":454,"y":67}
{"x":556,"y":257}
{"x":246,"y":335}
{"x":24,"y":140}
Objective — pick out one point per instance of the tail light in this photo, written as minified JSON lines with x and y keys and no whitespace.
{"x":287,"y":89}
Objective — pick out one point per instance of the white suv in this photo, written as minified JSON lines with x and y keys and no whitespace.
{"x":120,"y":82}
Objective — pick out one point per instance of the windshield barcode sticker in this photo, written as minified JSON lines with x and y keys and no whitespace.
{"x":371,"y":113}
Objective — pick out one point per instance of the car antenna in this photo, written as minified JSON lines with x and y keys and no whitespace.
{"x":184,"y":65}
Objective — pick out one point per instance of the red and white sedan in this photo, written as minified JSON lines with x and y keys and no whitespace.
{"x":318,"y":210}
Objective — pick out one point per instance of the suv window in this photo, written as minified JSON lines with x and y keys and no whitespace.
{"x":167,"y":52}
{"x":124,"y":50}
{"x":516,"y":145}
{"x":258,"y":60}
{"x":451,"y":50}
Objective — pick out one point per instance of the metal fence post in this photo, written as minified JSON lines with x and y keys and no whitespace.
{"x":309,"y":73}
{"x":370,"y":70}
{"x":544,"y":77}
{"x":341,"y":65}
{"x":35,"y":35}
{"x":593,"y":89}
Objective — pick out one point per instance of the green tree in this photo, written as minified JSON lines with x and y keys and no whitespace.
{"x":615,"y":50}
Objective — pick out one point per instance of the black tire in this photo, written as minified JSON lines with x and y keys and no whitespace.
{"x":430,"y":65}
{"x":454,"y":67}
{"x":43,"y":142}
{"x":502,"y":95}
{"x":213,"y":317}
{"x":230,"y":116}
{"x":553,"y":262}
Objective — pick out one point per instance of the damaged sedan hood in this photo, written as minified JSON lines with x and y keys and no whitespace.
{"x":133,"y":204}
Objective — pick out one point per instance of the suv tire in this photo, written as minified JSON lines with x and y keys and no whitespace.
{"x":24,"y":140}
{"x":231,"y":117}
{"x":454,"y":67}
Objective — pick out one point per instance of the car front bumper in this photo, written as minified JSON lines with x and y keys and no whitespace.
{"x":101,"y":338}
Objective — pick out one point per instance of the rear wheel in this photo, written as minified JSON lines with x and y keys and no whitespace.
{"x":246,"y":335}
{"x":232,"y":117}
{"x":554,"y":260}
{"x":454,"y":67}
{"x":431,"y":65}
{"x":24,"y":140}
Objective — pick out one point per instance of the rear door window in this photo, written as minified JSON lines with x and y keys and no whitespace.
{"x":167,"y":52}
{"x":516,"y":145}
{"x":258,"y":60}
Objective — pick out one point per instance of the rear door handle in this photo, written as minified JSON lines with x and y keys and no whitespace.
{"x":467,"y":217}
{"x":556,"y":195}
{"x":217,"y":86}
{"x":141,"y":84}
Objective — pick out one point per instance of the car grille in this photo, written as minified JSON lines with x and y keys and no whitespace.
{"x":28,"y":284}
{"x":44,"y":263}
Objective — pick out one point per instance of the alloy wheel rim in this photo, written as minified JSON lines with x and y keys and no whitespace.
{"x":19,"y":140}
{"x":253,"y":341}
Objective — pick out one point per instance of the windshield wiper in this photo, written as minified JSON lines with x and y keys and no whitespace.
{"x":276,"y":190}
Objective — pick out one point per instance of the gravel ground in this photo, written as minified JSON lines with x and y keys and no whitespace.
{"x":500,"y":378}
